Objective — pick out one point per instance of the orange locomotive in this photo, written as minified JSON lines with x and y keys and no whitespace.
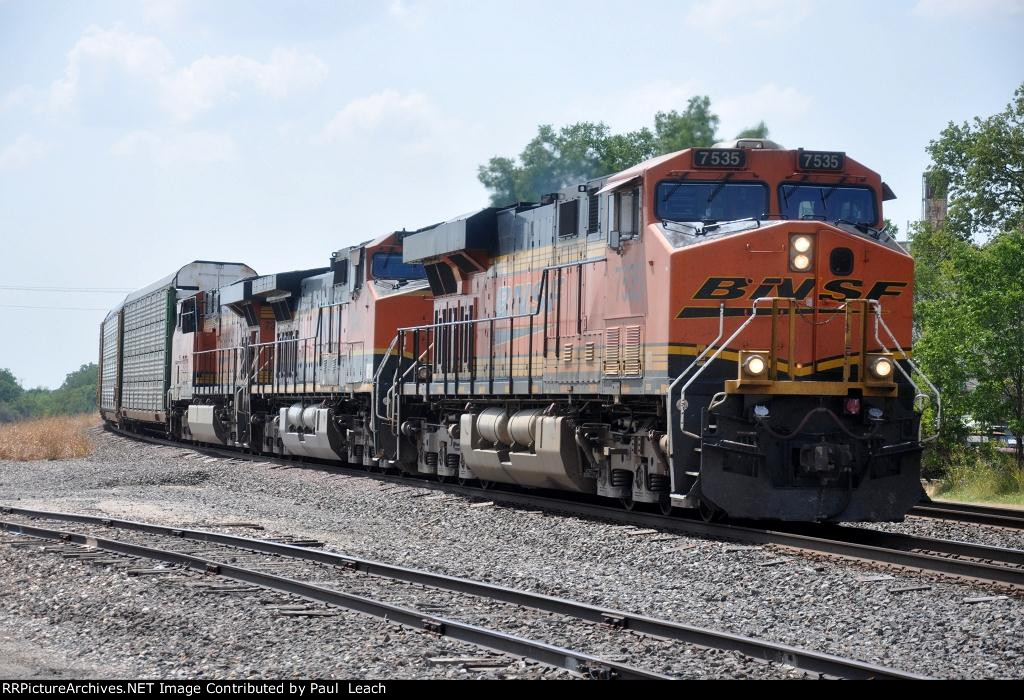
{"x":724,"y":328}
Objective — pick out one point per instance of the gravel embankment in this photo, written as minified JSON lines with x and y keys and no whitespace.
{"x":662,"y":656}
{"x":833,"y":607}
{"x":60,"y":616}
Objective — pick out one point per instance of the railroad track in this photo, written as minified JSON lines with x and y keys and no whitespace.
{"x":1000,"y":567}
{"x":216,"y":553}
{"x":1012,"y":518}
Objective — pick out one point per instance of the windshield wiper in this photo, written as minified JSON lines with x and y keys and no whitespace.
{"x":833,"y":188}
{"x":824,"y":204}
{"x":679,"y":184}
{"x":696,"y":229}
{"x":862,"y":227}
{"x":785,"y":195}
{"x":719,"y":224}
{"x":718,"y":188}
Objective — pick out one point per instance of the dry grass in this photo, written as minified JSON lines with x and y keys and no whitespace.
{"x":59,"y":437}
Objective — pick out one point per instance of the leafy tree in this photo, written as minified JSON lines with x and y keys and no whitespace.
{"x":76,"y":395}
{"x":84,"y":376}
{"x":970,"y":311}
{"x":10,"y":389}
{"x":551,"y":160}
{"x":982,"y":165}
{"x":694,"y":126}
{"x":969,"y":306}
{"x":556,"y":158}
{"x":621,"y":151}
{"x":760,"y":131}
{"x":943,"y":333}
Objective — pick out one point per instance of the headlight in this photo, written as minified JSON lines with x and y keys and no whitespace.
{"x":755,"y":365}
{"x":879,"y":370}
{"x":801,"y":252}
{"x":881,"y":367}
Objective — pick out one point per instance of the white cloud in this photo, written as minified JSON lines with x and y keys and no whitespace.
{"x":138,"y":56}
{"x":717,"y":17}
{"x":942,"y":9}
{"x":24,"y":150}
{"x":176,"y":148}
{"x":212,"y":79}
{"x":184,"y":92}
{"x":407,"y":117}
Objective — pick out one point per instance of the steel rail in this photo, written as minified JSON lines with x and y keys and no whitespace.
{"x":579,"y":662}
{"x":898,"y":540}
{"x":969,"y":513}
{"x":764,"y":650}
{"x":919,"y":561}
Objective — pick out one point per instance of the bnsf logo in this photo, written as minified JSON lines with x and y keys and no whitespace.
{"x":722,"y":288}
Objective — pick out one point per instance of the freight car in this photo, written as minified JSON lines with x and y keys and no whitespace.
{"x":724,"y":328}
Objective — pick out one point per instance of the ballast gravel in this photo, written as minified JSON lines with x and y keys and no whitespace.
{"x":172,"y":627}
{"x":828,"y":606}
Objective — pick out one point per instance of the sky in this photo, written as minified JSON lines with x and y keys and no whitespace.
{"x":137,"y":136}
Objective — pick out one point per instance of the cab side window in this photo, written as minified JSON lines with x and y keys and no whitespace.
{"x":187,"y":316}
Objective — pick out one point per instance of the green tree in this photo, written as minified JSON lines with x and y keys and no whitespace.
{"x":77,"y":394}
{"x":969,"y":305}
{"x":760,"y":131}
{"x":995,"y":302}
{"x":970,"y":311}
{"x":944,"y":334}
{"x":85,"y":376}
{"x":982,"y":165}
{"x":10,"y":389}
{"x":556,"y":158}
{"x":693,"y":127}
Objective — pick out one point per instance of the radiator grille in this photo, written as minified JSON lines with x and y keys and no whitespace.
{"x":631,"y":353}
{"x":612,"y":350}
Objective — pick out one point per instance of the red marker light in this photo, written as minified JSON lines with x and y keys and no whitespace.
{"x":852,"y":407}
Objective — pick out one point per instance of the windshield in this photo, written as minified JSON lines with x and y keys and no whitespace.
{"x":711,"y":201}
{"x":389,"y":266}
{"x":827,"y":203}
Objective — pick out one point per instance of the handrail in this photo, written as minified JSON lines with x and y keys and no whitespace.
{"x":539,"y":306}
{"x":251,"y":376}
{"x":879,"y":321}
{"x":721,"y":348}
{"x":672,"y":386}
{"x":409,"y":369}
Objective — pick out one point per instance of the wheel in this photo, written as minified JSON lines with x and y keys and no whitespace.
{"x":462,"y":481}
{"x":665,"y":505}
{"x":627,"y":502}
{"x":486,"y":484}
{"x":443,"y":478}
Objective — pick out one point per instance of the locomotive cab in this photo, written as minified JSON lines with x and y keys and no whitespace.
{"x":792,"y":393}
